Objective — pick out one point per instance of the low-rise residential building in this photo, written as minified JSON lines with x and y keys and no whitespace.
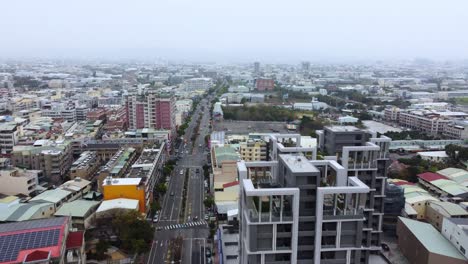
{"x":433,"y":156}
{"x":456,"y":231}
{"x":422,"y":243}
{"x":437,"y":211}
{"x":130,"y":188}
{"x":36,"y":241}
{"x":457,"y":129}
{"x":416,"y":199}
{"x":254,"y":150}
{"x":82,"y":212}
{"x":54,"y":158}
{"x":460,"y":176}
{"x":15,"y":181}
{"x":109,"y":208}
{"x":264,"y":84}
{"x":81,"y":132}
{"x":148,"y":167}
{"x":198,"y":84}
{"x":117,"y":166}
{"x":27,"y":211}
{"x":9,"y":136}
{"x":86,"y":166}
{"x":443,"y":187}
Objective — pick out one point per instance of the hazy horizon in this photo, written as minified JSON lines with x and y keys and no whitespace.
{"x":241,"y":31}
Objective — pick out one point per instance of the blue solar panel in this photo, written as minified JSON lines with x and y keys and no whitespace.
{"x":33,"y":224}
{"x":11,"y":245}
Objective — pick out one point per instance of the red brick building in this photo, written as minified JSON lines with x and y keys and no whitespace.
{"x":262,"y":84}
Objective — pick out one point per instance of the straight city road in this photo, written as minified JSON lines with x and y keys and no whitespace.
{"x":191,"y":224}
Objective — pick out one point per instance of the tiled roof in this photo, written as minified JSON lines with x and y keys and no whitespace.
{"x":230,"y":184}
{"x":431,"y":176}
{"x":75,"y":239}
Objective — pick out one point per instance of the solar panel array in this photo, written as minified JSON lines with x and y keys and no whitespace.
{"x":33,"y":224}
{"x":11,"y":245}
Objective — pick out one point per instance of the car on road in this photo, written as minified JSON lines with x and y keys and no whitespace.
{"x":181,"y":172}
{"x":195,"y":218}
{"x":197,"y":170}
{"x":207,"y":217}
{"x":159,"y":228}
{"x":172,"y":193}
{"x":209,"y":260}
{"x":208,"y":253}
{"x":155,"y":218}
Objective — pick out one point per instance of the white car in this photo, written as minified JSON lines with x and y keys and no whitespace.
{"x":155,"y":218}
{"x":181,"y":172}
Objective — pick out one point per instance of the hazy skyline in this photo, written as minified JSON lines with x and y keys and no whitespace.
{"x":238,"y":31}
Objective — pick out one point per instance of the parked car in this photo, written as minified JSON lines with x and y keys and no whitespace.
{"x":208,"y":253}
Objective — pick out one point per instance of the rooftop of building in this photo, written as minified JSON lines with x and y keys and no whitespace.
{"x":119,"y":160}
{"x":23,"y":211}
{"x":431,"y":239}
{"x":44,"y":235}
{"x":121,"y":181}
{"x":455,"y":174}
{"x":449,"y":208}
{"x":77,"y":208}
{"x":74,"y":185}
{"x":86,"y":159}
{"x":343,"y":128}
{"x":120,"y":203}
{"x":298,"y":163}
{"x":53,"y":196}
{"x":225,"y":153}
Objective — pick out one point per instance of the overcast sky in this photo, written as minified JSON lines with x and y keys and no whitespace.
{"x":235,"y":30}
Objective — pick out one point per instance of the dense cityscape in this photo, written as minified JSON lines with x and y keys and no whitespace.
{"x":247,"y":163}
{"x":233,"y":132}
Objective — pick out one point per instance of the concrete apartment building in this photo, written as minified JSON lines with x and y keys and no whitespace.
{"x":148,"y":167}
{"x":366,"y":157}
{"x":9,"y":136}
{"x":152,"y":110}
{"x":450,"y":124}
{"x":296,"y":210}
{"x":54,"y":158}
{"x":15,"y":181}
{"x":263,"y":84}
{"x":254,"y":150}
{"x":198,"y":84}
{"x":456,"y":231}
{"x":421,"y":243}
{"x":117,"y":166}
{"x":86,"y":166}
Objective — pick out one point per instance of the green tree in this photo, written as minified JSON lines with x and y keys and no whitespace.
{"x":134,"y":232}
{"x":101,"y":249}
{"x":161,"y":188}
{"x":209,"y":201}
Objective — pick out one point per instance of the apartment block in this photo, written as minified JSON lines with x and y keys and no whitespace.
{"x":151,"y":110}
{"x":54,"y":158}
{"x":263,"y":84}
{"x":15,"y":181}
{"x":254,"y":150}
{"x":130,"y":188}
{"x":148,"y":167}
{"x":9,"y":136}
{"x":198,"y":84}
{"x":456,"y":231}
{"x":298,"y":210}
{"x":86,"y":166}
{"x":118,"y":165}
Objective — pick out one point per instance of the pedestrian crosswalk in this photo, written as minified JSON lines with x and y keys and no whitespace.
{"x":186,"y":225}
